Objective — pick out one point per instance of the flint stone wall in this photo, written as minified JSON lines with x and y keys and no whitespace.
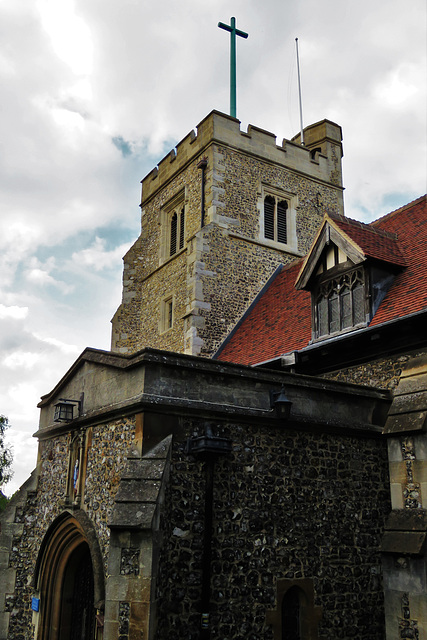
{"x":225,"y":263}
{"x":382,"y":373}
{"x":106,"y":461}
{"x":287,"y":504}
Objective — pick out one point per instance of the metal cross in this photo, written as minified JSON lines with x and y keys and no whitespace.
{"x":234,"y":32}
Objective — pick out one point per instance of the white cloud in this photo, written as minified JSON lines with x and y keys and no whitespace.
{"x":61,"y":346}
{"x":17,"y":313}
{"x":69,"y":34}
{"x":400,"y":86}
{"x":98,"y":257}
{"x":21,"y":359}
{"x":39,"y":274}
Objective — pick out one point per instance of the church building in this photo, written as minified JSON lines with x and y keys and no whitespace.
{"x":249,"y":459}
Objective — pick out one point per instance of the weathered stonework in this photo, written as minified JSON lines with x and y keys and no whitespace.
{"x":225,"y":261}
{"x":301,"y":501}
{"x":383,"y":373}
{"x":405,"y":539}
{"x":112,"y":442}
{"x":286,"y":505}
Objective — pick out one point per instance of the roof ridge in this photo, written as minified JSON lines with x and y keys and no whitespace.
{"x":400,"y":209}
{"x":362,"y":225}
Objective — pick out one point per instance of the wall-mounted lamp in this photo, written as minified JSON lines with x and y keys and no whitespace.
{"x":208,"y":443}
{"x":64,"y":410}
{"x":280,"y":403}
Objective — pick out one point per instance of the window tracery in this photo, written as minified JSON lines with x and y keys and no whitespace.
{"x":340,"y":303}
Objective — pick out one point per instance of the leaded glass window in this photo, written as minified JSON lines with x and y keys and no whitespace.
{"x":340,"y":303}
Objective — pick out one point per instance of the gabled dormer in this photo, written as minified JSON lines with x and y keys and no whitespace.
{"x":348,"y":272}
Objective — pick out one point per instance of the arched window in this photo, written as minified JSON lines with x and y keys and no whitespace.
{"x":177,"y":224}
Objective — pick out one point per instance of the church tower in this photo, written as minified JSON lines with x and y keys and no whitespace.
{"x":218,"y":215}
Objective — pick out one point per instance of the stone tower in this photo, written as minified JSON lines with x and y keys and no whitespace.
{"x":218,"y":215}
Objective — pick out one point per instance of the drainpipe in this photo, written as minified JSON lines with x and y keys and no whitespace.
{"x":202,"y":165}
{"x":207,"y":448}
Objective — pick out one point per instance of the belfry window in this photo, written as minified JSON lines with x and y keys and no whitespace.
{"x":176,"y":231}
{"x":275,"y":219}
{"x":172,"y":223}
{"x":340,"y":303}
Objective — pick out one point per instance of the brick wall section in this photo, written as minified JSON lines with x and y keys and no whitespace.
{"x":286,"y":505}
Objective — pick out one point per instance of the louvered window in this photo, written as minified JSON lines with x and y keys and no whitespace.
{"x":340,"y":303}
{"x":275,"y":219}
{"x":177,"y":230}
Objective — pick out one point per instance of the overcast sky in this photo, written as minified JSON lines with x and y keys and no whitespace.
{"x":96,"y":92}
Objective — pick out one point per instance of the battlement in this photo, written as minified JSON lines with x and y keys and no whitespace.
{"x":318,"y":158}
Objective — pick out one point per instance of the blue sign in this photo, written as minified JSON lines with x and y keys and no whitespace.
{"x":35,"y":604}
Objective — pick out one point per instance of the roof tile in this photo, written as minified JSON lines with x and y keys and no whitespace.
{"x":279,"y":321}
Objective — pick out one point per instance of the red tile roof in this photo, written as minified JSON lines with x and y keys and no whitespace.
{"x":282,"y":316}
{"x":374,"y":243}
{"x":279,"y":321}
{"x":408,"y":294}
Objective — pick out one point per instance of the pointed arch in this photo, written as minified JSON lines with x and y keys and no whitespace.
{"x":296,"y":616}
{"x":69,"y":553}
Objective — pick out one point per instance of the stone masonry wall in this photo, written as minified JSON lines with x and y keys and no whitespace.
{"x":223,"y":265}
{"x":106,"y":461}
{"x":235,"y":267}
{"x":287,"y":505}
{"x":147,"y":278}
{"x":383,"y":373}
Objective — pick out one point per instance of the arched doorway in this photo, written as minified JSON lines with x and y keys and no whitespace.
{"x":296,"y":617}
{"x":291,"y":614}
{"x":69,"y":580}
{"x":77,"y":618}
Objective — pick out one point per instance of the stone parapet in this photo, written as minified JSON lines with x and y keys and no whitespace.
{"x":225,"y":130}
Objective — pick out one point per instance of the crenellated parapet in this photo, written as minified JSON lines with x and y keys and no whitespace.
{"x":319,"y":158}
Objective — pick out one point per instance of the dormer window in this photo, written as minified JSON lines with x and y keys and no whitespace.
{"x":339,"y":303}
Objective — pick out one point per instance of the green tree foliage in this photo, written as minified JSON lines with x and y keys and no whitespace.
{"x":5,"y":453}
{"x":3,"y":502}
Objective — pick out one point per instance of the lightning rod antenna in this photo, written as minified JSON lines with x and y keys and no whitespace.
{"x":299,"y":91}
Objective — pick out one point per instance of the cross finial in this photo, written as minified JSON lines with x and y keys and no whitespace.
{"x":233,"y":32}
